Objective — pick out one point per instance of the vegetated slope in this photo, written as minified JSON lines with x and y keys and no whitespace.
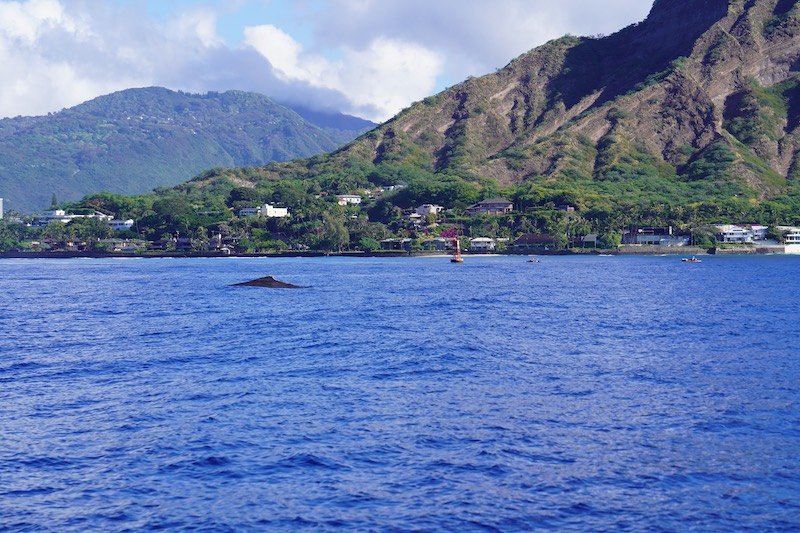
{"x":698,"y":104}
{"x":134,"y":140}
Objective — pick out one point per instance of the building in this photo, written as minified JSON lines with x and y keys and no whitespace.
{"x":248,"y":212}
{"x":266,"y":211}
{"x":120,"y":225}
{"x":493,"y":206}
{"x":396,"y":244}
{"x":270,"y":211}
{"x":59,"y":215}
{"x":426,"y":209}
{"x":438,"y":244}
{"x":348,"y":199}
{"x":1,"y":208}
{"x":482,"y":244}
{"x":592,"y":240}
{"x":654,"y":237}
{"x":732,"y":234}
{"x":759,"y":232}
{"x":793,"y":236}
{"x":415,"y":219}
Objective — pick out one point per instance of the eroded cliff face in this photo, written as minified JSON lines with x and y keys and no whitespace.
{"x":694,"y":74}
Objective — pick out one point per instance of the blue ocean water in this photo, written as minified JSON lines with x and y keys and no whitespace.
{"x":579,"y":393}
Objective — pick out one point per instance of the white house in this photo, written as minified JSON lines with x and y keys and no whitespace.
{"x":793,"y":236}
{"x":120,"y":225}
{"x":348,"y":199}
{"x":59,"y":215}
{"x":759,"y":232}
{"x":732,"y":234}
{"x":482,"y":244}
{"x":791,"y":239}
{"x":270,"y":211}
{"x":427,"y":209}
{"x":266,"y":211}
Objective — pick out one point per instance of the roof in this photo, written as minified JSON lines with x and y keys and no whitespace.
{"x":495,"y":201}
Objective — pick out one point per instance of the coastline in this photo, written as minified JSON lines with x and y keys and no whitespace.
{"x":622,"y":251}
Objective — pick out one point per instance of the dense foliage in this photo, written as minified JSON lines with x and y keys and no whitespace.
{"x":132,"y":141}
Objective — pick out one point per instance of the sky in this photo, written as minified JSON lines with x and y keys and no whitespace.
{"x":369,"y":58}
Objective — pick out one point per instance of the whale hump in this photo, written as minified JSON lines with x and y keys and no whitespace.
{"x":268,"y":282}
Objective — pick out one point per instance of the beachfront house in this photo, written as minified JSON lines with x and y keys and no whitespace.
{"x":492,"y":206}
{"x":396,"y":244}
{"x":482,"y":245}
{"x":733,"y":234}
{"x":438,"y":244}
{"x":654,"y":237}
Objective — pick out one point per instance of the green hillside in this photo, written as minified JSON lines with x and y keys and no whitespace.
{"x":132,"y":141}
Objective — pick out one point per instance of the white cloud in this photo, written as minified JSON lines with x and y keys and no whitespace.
{"x":199,"y":23}
{"x":26,"y":21}
{"x":367,"y":57}
{"x":378,"y":80}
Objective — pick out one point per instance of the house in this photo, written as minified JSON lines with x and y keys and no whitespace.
{"x":493,"y":206}
{"x":592,"y":240}
{"x":248,"y":212}
{"x":482,"y":244}
{"x":732,"y":234}
{"x":266,"y":211}
{"x":791,"y":238}
{"x":396,"y":244}
{"x":348,"y":199}
{"x":120,"y":225}
{"x":426,"y":209}
{"x":59,"y":215}
{"x":270,"y":211}
{"x":415,"y":219}
{"x":654,"y":237}
{"x":533,"y":241}
{"x":759,"y":232}
{"x":439,"y":244}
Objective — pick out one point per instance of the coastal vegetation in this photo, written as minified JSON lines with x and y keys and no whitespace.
{"x":701,"y":126}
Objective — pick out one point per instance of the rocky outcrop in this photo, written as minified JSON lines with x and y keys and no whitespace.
{"x":694,"y":73}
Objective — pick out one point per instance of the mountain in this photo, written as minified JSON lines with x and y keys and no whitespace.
{"x":698,"y":105}
{"x":134,"y":140}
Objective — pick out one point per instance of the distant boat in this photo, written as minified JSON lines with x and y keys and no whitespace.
{"x":692,"y":260}
{"x":533,"y":261}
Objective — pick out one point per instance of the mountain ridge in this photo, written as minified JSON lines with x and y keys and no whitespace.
{"x":134,"y":140}
{"x":654,"y":102}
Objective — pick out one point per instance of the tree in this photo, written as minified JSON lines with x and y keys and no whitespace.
{"x":334,"y":232}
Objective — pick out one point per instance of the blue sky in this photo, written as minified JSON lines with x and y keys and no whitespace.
{"x":369,"y":58}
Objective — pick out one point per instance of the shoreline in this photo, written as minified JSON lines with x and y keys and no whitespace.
{"x":623,"y":251}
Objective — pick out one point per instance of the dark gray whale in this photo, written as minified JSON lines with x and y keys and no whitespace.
{"x":268,"y":282}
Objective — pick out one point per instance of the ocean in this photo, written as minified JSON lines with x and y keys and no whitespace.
{"x":578,"y":393}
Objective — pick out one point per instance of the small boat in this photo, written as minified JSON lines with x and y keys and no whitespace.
{"x":533,"y":261}
{"x":692,"y":260}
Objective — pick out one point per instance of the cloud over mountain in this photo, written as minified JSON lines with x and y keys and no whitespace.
{"x":365,"y":57}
